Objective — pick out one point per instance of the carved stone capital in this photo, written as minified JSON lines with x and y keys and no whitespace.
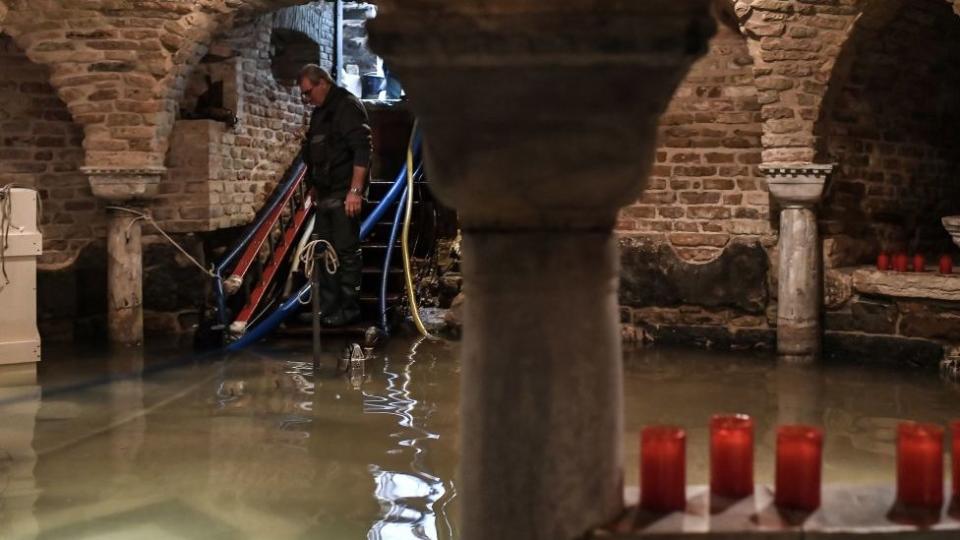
{"x":540,"y":115}
{"x":122,"y":185}
{"x":796,"y":184}
{"x":952,"y":225}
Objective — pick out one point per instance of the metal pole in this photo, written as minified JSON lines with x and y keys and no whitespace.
{"x":315,"y":303}
{"x":338,"y":41}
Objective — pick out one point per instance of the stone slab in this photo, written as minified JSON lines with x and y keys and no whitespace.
{"x":848,"y":511}
{"x":927,"y":284}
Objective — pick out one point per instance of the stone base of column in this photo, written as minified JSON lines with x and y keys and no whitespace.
{"x":541,"y":385}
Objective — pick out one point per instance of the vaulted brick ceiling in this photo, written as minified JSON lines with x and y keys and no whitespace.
{"x":120,"y":65}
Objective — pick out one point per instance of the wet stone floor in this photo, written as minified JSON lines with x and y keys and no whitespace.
{"x":168,"y":445}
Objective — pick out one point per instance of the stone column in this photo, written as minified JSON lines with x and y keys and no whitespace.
{"x":540,"y":123}
{"x":797,"y":189}
{"x":126,"y":191}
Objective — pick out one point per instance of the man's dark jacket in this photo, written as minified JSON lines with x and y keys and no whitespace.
{"x":338,"y":139}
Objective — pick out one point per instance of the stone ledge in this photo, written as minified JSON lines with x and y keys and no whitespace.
{"x":847,"y":512}
{"x":928,"y":284}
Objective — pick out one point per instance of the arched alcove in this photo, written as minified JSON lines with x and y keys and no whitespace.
{"x":290,"y":51}
{"x":891,"y":128}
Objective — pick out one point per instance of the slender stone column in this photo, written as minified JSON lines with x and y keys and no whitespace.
{"x":125,"y":190}
{"x":540,"y":123}
{"x":797,"y":189}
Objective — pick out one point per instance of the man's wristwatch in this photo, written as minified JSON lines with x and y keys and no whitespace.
{"x":356,"y":191}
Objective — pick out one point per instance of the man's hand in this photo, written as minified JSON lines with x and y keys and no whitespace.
{"x":352,"y":204}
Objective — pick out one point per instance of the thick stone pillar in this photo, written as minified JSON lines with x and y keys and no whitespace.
{"x":540,"y":123}
{"x":797,"y":189}
{"x":125,"y":190}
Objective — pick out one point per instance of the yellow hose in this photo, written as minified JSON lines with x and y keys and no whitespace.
{"x":405,"y":238}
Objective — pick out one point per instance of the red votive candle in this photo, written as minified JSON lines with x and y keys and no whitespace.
{"x":731,"y":455}
{"x":946,"y":264}
{"x":900,"y":262}
{"x":799,"y":464}
{"x":883,"y":261}
{"x":663,"y":472}
{"x":919,"y":265}
{"x":955,"y":451}
{"x":920,"y":465}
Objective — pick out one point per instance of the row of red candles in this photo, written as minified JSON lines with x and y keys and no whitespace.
{"x":798,"y":466}
{"x":900,"y":262}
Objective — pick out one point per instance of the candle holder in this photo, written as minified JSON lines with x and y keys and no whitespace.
{"x":946,"y":264}
{"x":663,"y":475}
{"x":919,"y":465}
{"x":901,"y":262}
{"x":731,"y":456}
{"x":919,"y":264}
{"x":799,"y":467}
{"x":883,"y":261}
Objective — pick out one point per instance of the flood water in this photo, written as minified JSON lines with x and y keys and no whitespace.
{"x":167,"y":446}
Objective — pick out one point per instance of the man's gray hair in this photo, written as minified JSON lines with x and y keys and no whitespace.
{"x":314,"y":74}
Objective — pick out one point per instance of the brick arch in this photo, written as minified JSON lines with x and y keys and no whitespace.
{"x":121,"y":67}
{"x":795,"y":46}
{"x":291,"y":19}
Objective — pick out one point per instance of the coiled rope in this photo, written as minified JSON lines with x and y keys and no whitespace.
{"x":307,"y":257}
{"x":6,"y":223}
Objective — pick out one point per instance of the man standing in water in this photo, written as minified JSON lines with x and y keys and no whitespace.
{"x":337,"y":153}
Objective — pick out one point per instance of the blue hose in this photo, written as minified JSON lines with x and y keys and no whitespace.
{"x":386,"y":262}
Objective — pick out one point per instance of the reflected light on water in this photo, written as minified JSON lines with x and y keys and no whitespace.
{"x":408,"y":500}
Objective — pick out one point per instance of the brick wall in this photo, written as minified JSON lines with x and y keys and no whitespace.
{"x":219,"y":176}
{"x":705,"y":188}
{"x":893,"y":132}
{"x":694,"y":257}
{"x":41,"y":147}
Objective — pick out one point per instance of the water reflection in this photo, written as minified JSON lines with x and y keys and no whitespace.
{"x":18,"y":490}
{"x":409,"y":499}
{"x":260,"y":446}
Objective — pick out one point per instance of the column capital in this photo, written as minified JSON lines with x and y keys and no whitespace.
{"x":124,"y":184}
{"x":796,"y":184}
{"x":536,"y":115}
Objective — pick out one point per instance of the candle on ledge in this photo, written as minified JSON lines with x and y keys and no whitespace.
{"x":919,"y":465}
{"x":883,"y":261}
{"x":919,"y":265}
{"x":731,"y":455}
{"x":663,"y":477}
{"x":900,"y":262}
{"x":955,"y":451}
{"x":798,"y":469}
{"x":946,"y":264}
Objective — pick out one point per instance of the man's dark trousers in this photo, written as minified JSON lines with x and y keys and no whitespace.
{"x":340,"y":292}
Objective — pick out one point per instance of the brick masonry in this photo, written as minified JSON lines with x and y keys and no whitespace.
{"x":885,"y":123}
{"x":40,"y":147}
{"x":789,"y":81}
{"x":218,"y":176}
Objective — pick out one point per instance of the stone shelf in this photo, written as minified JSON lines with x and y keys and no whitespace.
{"x":849,"y":511}
{"x":929,"y":284}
